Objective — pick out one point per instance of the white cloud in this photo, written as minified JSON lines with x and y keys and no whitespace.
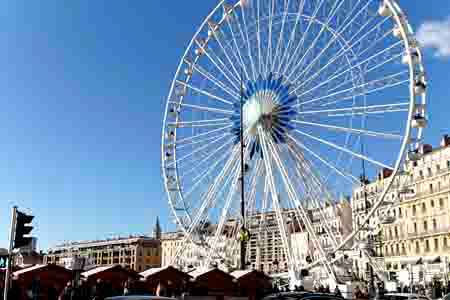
{"x":436,"y":35}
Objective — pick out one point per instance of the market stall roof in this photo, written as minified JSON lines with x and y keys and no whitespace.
{"x":97,"y":272}
{"x":41,"y":268}
{"x":252,"y":279}
{"x":163,"y":272}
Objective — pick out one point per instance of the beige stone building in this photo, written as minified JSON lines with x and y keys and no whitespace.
{"x":416,"y":226}
{"x":137,"y":253}
{"x":169,"y":243}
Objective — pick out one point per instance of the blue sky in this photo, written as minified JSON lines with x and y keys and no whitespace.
{"x":83,"y":87}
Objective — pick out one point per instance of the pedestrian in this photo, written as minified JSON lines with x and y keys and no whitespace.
{"x":358,"y":293}
{"x":67,"y":292}
{"x":327,"y":289}
{"x":337,"y":292}
{"x":52,"y":293}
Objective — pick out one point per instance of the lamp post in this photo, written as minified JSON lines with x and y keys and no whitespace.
{"x":244,"y":233}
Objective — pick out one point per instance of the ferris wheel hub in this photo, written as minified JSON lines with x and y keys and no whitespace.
{"x":269,"y":103}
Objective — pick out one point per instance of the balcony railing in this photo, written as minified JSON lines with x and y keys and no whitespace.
{"x":432,"y":231}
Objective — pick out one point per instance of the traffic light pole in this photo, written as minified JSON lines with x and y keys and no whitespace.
{"x":10,"y":250}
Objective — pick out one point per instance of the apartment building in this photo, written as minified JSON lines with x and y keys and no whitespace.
{"x":138,"y":253}
{"x":415,"y":232}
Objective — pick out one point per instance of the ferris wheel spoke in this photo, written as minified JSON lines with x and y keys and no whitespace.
{"x":370,"y":91}
{"x":258,"y":36}
{"x":209,"y":144}
{"x":364,"y":132}
{"x":349,"y":81}
{"x":208,"y":200}
{"x":224,"y":213}
{"x":340,"y":71}
{"x":347,"y":176}
{"x":188,"y":140}
{"x":363,"y":89}
{"x":313,"y":44}
{"x":283,"y":24}
{"x":228,"y":74}
{"x":269,"y":38}
{"x":291,"y":194}
{"x":363,"y":110}
{"x":217,"y":82}
{"x":238,"y":57}
{"x":225,"y":52}
{"x":314,"y":187}
{"x":203,"y":92}
{"x":336,"y":36}
{"x":302,"y":40}
{"x":247,"y":39}
{"x":201,"y":123}
{"x":274,"y":194}
{"x":199,"y":178}
{"x":292,"y":35}
{"x":206,"y":159}
{"x":347,"y":70}
{"x":348,"y":151}
{"x":204,"y":108}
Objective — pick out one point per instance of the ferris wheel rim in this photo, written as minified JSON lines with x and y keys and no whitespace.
{"x":397,"y":14}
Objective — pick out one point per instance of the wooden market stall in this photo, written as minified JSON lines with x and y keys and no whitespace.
{"x":172,"y":280}
{"x":112,"y":278}
{"x":252,"y":283}
{"x":212,"y":282}
{"x":42,"y":278}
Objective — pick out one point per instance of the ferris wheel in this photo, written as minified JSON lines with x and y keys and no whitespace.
{"x":319,"y":86}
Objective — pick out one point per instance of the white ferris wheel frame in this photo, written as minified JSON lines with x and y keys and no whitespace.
{"x":414,"y":60}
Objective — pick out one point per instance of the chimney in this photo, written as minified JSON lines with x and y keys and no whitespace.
{"x":425,"y":148}
{"x":445,"y":141}
{"x":385,"y":173}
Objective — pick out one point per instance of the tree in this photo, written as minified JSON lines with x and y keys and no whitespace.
{"x":157,"y":230}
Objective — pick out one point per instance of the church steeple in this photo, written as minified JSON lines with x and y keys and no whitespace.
{"x":157,"y":230}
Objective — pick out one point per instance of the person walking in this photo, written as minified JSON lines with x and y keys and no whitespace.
{"x":67,"y":292}
{"x":337,"y":292}
{"x":52,"y":293}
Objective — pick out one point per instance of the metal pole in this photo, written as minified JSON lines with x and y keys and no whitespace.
{"x":10,"y":250}
{"x":242,"y":176}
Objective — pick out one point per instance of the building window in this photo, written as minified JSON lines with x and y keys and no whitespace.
{"x":427,"y":246}
{"x":415,"y":227}
{"x":397,"y":250}
{"x":417,"y":248}
{"x":431,"y":187}
{"x":400,"y":212}
{"x":414,"y":210}
{"x":441,"y":203}
{"x":429,"y":172}
{"x":421,"y":174}
{"x":436,"y":244}
{"x":434,"y":224}
{"x":445,"y":243}
{"x":432,"y":203}
{"x":425,"y":225}
{"x":448,"y":164}
{"x":424,"y":207}
{"x":396,"y":232}
{"x":438,"y":168}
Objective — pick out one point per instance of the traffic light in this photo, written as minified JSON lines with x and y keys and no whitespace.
{"x":23,"y":228}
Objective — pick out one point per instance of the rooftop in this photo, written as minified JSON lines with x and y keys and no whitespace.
{"x":91,"y":243}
